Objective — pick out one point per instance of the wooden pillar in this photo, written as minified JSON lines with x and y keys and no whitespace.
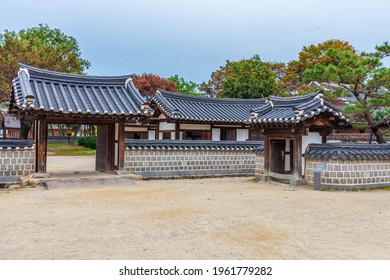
{"x":40,"y":135}
{"x":297,"y":171}
{"x":119,"y":146}
{"x":267,"y":155}
{"x":177,"y":131}
{"x":324,"y":133}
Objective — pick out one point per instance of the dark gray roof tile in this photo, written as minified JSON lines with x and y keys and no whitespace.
{"x":294,"y":109}
{"x":12,"y":144}
{"x":348,"y":151}
{"x":205,"y":109}
{"x":76,"y":94}
{"x":192,"y":145}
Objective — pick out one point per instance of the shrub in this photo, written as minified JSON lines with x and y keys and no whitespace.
{"x":81,"y":141}
{"x":89,"y":142}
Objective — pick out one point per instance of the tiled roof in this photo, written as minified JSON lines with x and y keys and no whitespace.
{"x":205,"y":109}
{"x":16,"y":144}
{"x":191,"y":145}
{"x":347,"y":151}
{"x":352,"y":137}
{"x":254,"y":111}
{"x":259,"y":149}
{"x":293,"y":109}
{"x":75,"y":94}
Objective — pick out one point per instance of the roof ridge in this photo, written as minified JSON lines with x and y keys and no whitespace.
{"x":182,"y":96}
{"x":70,"y":77}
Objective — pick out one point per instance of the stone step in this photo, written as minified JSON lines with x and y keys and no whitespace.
{"x":88,"y":182}
{"x":7,"y":181}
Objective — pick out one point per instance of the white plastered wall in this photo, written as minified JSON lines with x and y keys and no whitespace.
{"x":242,"y":134}
{"x":216,"y":134}
{"x":310,"y":138}
{"x":151,"y":135}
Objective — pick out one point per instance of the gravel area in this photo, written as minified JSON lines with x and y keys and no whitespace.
{"x":224,"y":218}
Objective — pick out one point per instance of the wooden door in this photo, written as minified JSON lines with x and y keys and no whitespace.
{"x":105,"y":148}
{"x":278,"y":148}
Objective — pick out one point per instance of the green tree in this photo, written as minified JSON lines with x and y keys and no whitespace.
{"x":190,"y":88}
{"x":292,"y":79}
{"x":247,"y":78}
{"x":362,"y":75}
{"x":41,"y":47}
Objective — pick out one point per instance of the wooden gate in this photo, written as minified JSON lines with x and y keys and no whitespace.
{"x":105,"y":148}
{"x":110,"y":147}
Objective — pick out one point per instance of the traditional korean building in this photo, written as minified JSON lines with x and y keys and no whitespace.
{"x":287,"y":125}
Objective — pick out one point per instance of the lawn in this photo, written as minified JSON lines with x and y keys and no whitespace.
{"x":65,"y":149}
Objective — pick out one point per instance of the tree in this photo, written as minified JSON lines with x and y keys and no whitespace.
{"x":147,"y":84}
{"x":190,"y":88}
{"x":41,"y":47}
{"x":308,"y":57}
{"x":247,"y":78}
{"x":362,"y":75}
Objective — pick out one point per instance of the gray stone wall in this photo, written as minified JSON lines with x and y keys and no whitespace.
{"x":259,"y":165}
{"x":17,"y":162}
{"x":348,"y":174}
{"x":190,"y":163}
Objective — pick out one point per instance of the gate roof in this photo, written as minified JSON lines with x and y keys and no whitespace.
{"x":55,"y":93}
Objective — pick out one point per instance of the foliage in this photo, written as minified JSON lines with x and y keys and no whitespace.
{"x":247,"y":78}
{"x":363,"y":76}
{"x":41,"y":47}
{"x":279,"y":68}
{"x":308,"y":57}
{"x":190,"y":88}
{"x":89,"y":142}
{"x":147,"y":84}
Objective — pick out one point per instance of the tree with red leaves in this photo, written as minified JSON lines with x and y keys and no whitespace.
{"x":147,"y":84}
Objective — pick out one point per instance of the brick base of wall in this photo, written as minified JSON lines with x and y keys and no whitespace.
{"x":259,"y":165}
{"x":347,"y":174}
{"x":17,"y":162}
{"x":189,"y":164}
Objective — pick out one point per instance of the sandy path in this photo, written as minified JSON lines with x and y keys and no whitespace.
{"x":229,"y":218}
{"x":59,"y":164}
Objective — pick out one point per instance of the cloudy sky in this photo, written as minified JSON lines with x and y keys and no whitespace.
{"x":192,"y":38}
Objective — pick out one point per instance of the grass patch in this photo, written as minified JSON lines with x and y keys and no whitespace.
{"x":58,"y":145}
{"x":254,"y":180}
{"x":65,"y":149}
{"x":77,"y":152}
{"x":382,"y":188}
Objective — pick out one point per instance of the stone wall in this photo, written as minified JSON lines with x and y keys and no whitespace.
{"x":259,"y":165}
{"x":189,"y":159}
{"x":340,"y":174}
{"x":17,"y":158}
{"x":348,"y":166}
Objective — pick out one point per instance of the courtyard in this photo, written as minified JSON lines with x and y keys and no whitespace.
{"x":219,"y":218}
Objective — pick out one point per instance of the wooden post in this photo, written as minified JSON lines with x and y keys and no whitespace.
{"x":267,"y":155}
{"x":177,"y":131}
{"x":119,"y":143}
{"x":40,"y":133}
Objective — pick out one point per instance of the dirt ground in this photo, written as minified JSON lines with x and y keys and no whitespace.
{"x":229,"y":218}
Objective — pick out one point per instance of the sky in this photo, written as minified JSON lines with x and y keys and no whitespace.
{"x":193,"y":38}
